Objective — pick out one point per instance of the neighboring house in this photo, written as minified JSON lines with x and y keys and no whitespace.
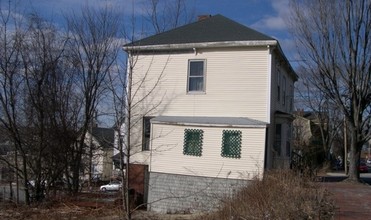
{"x":101,"y":141}
{"x":6,"y":154}
{"x":212,"y":104}
{"x":307,"y":139}
{"x":302,"y":130}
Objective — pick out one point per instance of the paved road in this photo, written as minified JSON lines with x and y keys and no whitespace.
{"x":339,"y":176}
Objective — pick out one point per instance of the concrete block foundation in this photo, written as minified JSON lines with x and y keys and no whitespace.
{"x":171,"y":193}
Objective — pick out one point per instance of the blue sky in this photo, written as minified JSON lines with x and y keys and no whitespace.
{"x":266,"y":16}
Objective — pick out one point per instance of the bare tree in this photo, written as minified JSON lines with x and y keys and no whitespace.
{"x":93,"y":50}
{"x":164,"y":15}
{"x":327,"y":118}
{"x":10,"y":81}
{"x":117,"y":85}
{"x":125,"y":92}
{"x":41,"y":53}
{"x":38,"y":111}
{"x":126,"y":88}
{"x":334,"y":40}
{"x":46,"y":108}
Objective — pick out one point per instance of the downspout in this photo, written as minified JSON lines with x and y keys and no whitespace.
{"x":269,"y":84}
{"x":268,"y":151}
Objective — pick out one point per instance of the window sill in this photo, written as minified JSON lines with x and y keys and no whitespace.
{"x":196,"y":93}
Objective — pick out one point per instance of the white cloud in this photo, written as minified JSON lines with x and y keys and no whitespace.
{"x":276,"y":21}
{"x":270,"y":23}
{"x":281,"y":6}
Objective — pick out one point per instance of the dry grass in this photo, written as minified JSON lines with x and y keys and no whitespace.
{"x":280,"y":195}
{"x":63,"y":208}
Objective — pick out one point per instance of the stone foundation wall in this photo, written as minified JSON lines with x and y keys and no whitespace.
{"x":170,"y":193}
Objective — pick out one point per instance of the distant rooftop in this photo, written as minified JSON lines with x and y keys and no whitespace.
{"x":104,"y":135}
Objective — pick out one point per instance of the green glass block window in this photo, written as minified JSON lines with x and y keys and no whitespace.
{"x":193,"y":142}
{"x":231,"y":144}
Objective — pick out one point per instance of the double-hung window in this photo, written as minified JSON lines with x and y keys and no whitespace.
{"x":278,"y":85}
{"x":146,"y":133}
{"x":278,"y":139}
{"x":196,"y":75}
{"x":231,"y":143}
{"x":193,"y":139}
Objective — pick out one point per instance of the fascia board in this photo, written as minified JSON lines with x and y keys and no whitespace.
{"x":201,"y":45}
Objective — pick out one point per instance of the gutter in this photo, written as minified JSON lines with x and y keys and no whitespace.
{"x":199,"y":45}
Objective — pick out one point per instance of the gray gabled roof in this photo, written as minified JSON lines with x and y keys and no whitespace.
{"x":105,"y":136}
{"x":212,"y":32}
{"x":213,"y":29}
{"x":210,"y":121}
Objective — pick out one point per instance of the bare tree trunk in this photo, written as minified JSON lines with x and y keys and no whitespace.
{"x":334,"y":37}
{"x":25,"y":184}
{"x":128,"y":137}
{"x":90,"y":167}
{"x":93,"y":51}
{"x":16,"y":175}
{"x":354,"y":156}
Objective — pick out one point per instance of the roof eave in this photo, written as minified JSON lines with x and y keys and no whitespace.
{"x":209,"y":125}
{"x":201,"y":121}
{"x":291,"y":70}
{"x":200,"y":45}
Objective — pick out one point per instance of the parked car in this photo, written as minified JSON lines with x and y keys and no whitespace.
{"x":112,"y":186}
{"x":363,"y":167}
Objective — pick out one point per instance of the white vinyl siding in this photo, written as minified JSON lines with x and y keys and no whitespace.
{"x":236,"y":84}
{"x":283,"y":92}
{"x":167,"y":149}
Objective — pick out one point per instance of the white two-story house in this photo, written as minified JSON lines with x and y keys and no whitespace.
{"x":100,"y":141}
{"x":211,"y":110}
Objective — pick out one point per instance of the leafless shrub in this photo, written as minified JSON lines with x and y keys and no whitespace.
{"x":280,"y":195}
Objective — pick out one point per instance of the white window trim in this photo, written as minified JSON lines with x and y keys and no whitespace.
{"x":204,"y":76}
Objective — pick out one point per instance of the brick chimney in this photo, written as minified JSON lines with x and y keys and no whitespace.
{"x":203,"y":17}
